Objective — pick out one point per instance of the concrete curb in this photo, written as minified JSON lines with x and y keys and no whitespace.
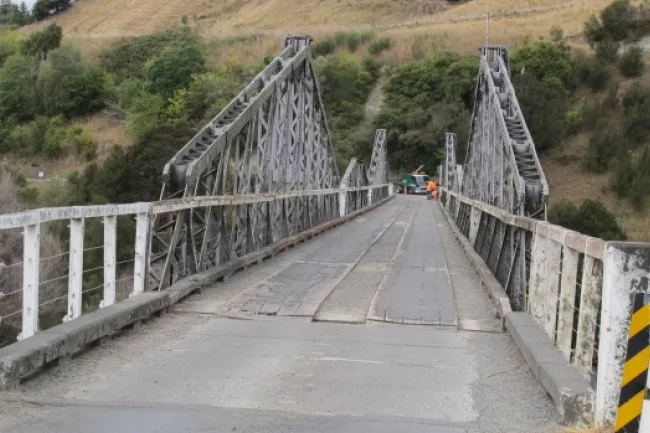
{"x":571,"y":393}
{"x":495,"y":291}
{"x":27,"y":357}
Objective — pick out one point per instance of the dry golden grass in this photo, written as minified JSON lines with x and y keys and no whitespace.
{"x":94,"y":24}
{"x":568,"y":181}
{"x":107,"y":132}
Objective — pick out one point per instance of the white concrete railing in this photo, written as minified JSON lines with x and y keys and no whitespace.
{"x":25,"y":289}
{"x":579,"y":289}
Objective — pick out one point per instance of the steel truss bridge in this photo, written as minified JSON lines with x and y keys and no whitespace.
{"x":261,"y":177}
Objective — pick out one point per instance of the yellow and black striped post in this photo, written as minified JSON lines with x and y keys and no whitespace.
{"x":635,"y":370}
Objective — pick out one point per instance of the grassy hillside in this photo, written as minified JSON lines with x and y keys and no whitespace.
{"x":241,"y":32}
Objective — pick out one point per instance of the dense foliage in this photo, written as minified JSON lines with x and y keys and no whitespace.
{"x":590,"y":218}
{"x":422,"y":101}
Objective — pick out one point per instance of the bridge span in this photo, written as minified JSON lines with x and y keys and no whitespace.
{"x":321,"y":348}
{"x":297,"y":299}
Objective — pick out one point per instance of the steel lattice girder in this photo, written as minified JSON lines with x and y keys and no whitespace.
{"x":501,"y":164}
{"x":449,"y":169}
{"x":272,"y":138}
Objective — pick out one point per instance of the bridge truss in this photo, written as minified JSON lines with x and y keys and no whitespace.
{"x":501,"y":165}
{"x":501,"y":170}
{"x":272,"y":140}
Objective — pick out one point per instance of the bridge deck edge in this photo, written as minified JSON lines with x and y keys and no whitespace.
{"x":28,"y":357}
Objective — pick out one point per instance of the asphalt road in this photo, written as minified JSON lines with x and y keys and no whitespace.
{"x":309,"y":341}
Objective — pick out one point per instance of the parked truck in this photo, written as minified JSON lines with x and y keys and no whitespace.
{"x":412,"y":184}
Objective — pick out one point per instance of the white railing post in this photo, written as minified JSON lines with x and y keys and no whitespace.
{"x":76,"y":268}
{"x":342,"y":202}
{"x":110,"y":247}
{"x":626,"y":271}
{"x":140,"y":259}
{"x":31,"y":266}
{"x":391,"y":189}
{"x":370,"y":196}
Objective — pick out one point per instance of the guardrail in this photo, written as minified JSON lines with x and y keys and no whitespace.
{"x":45,"y":287}
{"x":579,"y":289}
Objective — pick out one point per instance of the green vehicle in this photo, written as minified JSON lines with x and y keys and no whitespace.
{"x":412,"y":183}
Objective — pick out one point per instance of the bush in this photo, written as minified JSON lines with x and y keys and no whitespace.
{"x":127,"y":58}
{"x":604,"y":143}
{"x":631,"y":178}
{"x":173,"y":69}
{"x":17,"y":93}
{"x":41,"y":42}
{"x":631,"y":63}
{"x":544,"y":61}
{"x":81,"y":143}
{"x":43,"y":135}
{"x":324,"y":47}
{"x":544,"y":105}
{"x":591,"y":218}
{"x":135,"y":174}
{"x":380,"y":45}
{"x":591,"y":72}
{"x":636,"y":103}
{"x":607,"y":50}
{"x":10,"y":42}
{"x":68,"y":86}
{"x":43,"y":8}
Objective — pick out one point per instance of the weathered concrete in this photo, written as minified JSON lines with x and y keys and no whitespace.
{"x":204,"y":373}
{"x":573,"y":397}
{"x":28,"y":356}
{"x":498,"y":295}
{"x":417,"y":288}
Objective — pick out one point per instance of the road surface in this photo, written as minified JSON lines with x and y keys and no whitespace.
{"x":380,"y":325}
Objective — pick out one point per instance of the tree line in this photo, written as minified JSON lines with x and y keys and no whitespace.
{"x":18,"y":14}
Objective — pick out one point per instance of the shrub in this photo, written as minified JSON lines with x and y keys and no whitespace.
{"x":43,"y":135}
{"x":324,"y":47}
{"x":173,"y":69}
{"x":631,"y":63}
{"x":17,"y":93}
{"x":81,"y":143}
{"x":591,"y":72}
{"x":636,"y":103}
{"x":10,"y":42}
{"x":604,"y":143}
{"x":544,"y":61}
{"x":44,"y":41}
{"x":380,"y":45}
{"x":591,"y":218}
{"x":68,"y":86}
{"x":544,"y":105}
{"x":43,"y":8}
{"x":607,"y":50}
{"x":630,"y":176}
{"x":128,"y":58}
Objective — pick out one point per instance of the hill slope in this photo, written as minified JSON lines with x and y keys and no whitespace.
{"x":243,"y":31}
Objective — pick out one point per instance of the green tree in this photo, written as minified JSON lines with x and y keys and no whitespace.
{"x":173,"y":68}
{"x":591,"y":218}
{"x":127,"y":58}
{"x":68,"y":86}
{"x":42,"y":42}
{"x":542,"y":60}
{"x":43,"y":8}
{"x":544,"y":105}
{"x":17,"y":93}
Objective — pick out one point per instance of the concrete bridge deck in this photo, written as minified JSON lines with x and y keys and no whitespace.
{"x":379,"y":325}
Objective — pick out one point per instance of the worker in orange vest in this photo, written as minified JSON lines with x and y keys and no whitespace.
{"x":431,"y":187}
